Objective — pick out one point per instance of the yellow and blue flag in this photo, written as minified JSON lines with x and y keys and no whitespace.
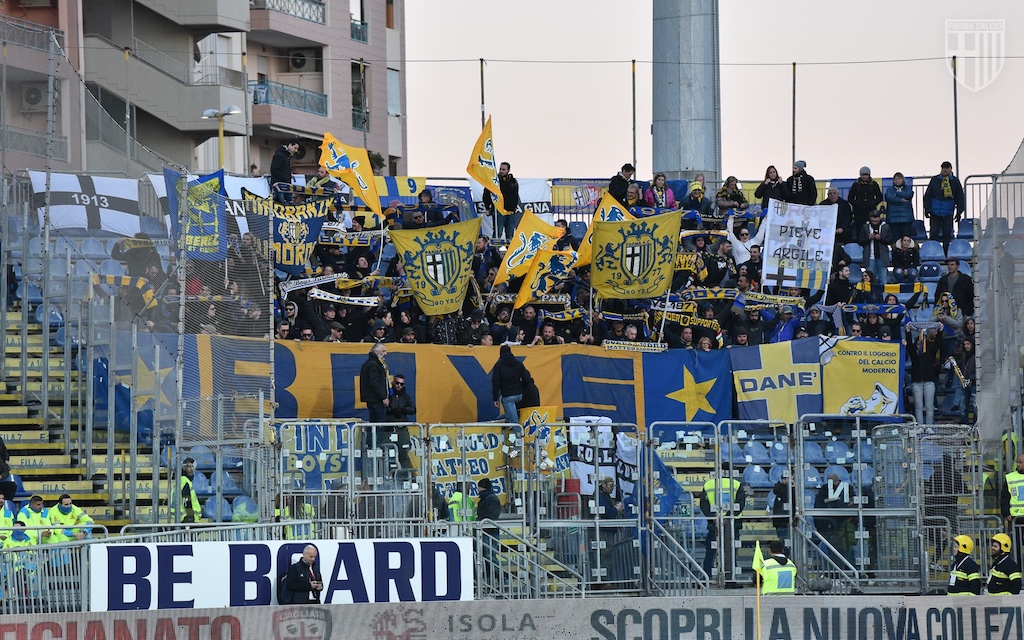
{"x":780,"y":381}
{"x":204,"y":227}
{"x":546,"y":270}
{"x":482,"y":166}
{"x":610,"y":210}
{"x":438,"y":263}
{"x":690,"y":386}
{"x":296,"y":228}
{"x":532,"y":235}
{"x":635,"y":258}
{"x":351,"y":165}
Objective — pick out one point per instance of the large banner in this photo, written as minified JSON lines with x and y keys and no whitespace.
{"x":534,"y":194}
{"x":862,"y":377}
{"x":296,"y":228}
{"x":438,"y":262}
{"x":779,"y":381}
{"x":798,"y":245}
{"x":97,"y":203}
{"x":318,"y":451}
{"x":635,"y":258}
{"x":197,"y":575}
{"x":203,"y":231}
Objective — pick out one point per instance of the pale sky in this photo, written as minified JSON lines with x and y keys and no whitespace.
{"x":566,"y":119}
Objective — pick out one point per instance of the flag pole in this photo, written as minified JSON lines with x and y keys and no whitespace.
{"x":756,"y":565}
{"x":664,"y":316}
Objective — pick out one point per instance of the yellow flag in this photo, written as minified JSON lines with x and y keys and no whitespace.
{"x":351,"y":165}
{"x":610,"y":210}
{"x":635,"y":258}
{"x":483,"y":168}
{"x":438,"y":262}
{"x":532,"y":235}
{"x":536,"y":423}
{"x":546,"y":270}
{"x":758,"y":558}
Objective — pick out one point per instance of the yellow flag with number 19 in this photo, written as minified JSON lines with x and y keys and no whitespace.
{"x":483,"y":168}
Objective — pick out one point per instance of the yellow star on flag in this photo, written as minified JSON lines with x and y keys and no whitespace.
{"x":693,"y":395}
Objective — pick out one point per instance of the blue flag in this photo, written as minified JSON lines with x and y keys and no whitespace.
{"x":204,"y":230}
{"x":688,"y":386}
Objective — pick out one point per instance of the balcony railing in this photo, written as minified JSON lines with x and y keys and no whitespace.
{"x":288,"y":96}
{"x":33,"y":142}
{"x":29,"y":34}
{"x":357,"y":120}
{"x":360,"y":31}
{"x":306,"y":9}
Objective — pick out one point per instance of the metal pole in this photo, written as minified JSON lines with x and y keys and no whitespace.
{"x":248,"y":108}
{"x":956,"y":121}
{"x":633,"y":73}
{"x":362,"y":92}
{"x":51,"y":123}
{"x":133,"y":428}
{"x":220,"y":141}
{"x":483,"y":108}
{"x":127,"y":114}
{"x":174,"y":466}
{"x":794,"y":114}
{"x":3,"y":121}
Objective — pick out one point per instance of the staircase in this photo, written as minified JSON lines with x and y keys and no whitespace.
{"x":51,"y":462}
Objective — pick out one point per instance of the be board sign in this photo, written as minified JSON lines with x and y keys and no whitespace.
{"x":237,"y":574}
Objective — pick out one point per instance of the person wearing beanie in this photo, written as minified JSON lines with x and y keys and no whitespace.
{"x":864,"y":197}
{"x":695,"y":201}
{"x":944,"y":204}
{"x":508,"y":379}
{"x":800,"y":187}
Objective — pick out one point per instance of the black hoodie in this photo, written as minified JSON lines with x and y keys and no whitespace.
{"x":509,"y":376}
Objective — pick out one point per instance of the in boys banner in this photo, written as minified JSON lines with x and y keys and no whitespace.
{"x":862,"y":376}
{"x":798,"y":245}
{"x":296,"y":228}
{"x":319,"y":451}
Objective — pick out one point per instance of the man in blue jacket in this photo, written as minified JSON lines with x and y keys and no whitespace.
{"x":944,"y":203}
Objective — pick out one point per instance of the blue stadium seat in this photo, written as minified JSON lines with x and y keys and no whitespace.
{"x":929,"y":451}
{"x":756,"y":477}
{"x":1015,"y":247}
{"x":152,"y":227}
{"x":837,"y":452}
{"x":204,"y":458}
{"x":812,"y":453}
{"x":1018,"y":226}
{"x":812,"y":479}
{"x":227,"y":484}
{"x":856,"y":252}
{"x":111,"y":267}
{"x":965,"y":230}
{"x":920,"y":235}
{"x":244,"y":509}
{"x":85,"y":267}
{"x":842,"y":472}
{"x":779,"y":452}
{"x":19,"y":487}
{"x":94,"y":249}
{"x":29,"y":293}
{"x":755,"y":453}
{"x":777,"y":473}
{"x":578,"y":229}
{"x":965,"y":267}
{"x":855,"y":272}
{"x":864,"y":477}
{"x":865,"y":450}
{"x":63,"y":246}
{"x":232,"y":457}
{"x":931,"y":251}
{"x":35,"y":247}
{"x":210,"y":510}
{"x":929,"y":272}
{"x":55,"y":319}
{"x":201,"y":485}
{"x":961,"y":250}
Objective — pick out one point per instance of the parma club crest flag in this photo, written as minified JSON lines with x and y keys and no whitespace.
{"x":610,"y":210}
{"x":531,"y":236}
{"x":546,"y":270}
{"x":204,"y":226}
{"x":635,"y":258}
{"x":351,"y":165}
{"x":438,"y":263}
{"x":483,"y":168}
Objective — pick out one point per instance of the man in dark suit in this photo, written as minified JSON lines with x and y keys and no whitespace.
{"x":304,"y":582}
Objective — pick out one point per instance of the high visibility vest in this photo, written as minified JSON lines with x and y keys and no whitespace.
{"x":1015,"y":485}
{"x":33,"y":519}
{"x":729,"y":489}
{"x":190,"y":501}
{"x":461,"y":508}
{"x":777,"y":578}
{"x":296,"y":531}
{"x":72,"y":522}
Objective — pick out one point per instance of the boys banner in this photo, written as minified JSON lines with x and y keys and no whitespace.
{"x":862,"y":377}
{"x":798,"y":245}
{"x":438,"y":262}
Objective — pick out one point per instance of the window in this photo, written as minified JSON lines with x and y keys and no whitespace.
{"x":389,"y":16}
{"x":394,"y":92}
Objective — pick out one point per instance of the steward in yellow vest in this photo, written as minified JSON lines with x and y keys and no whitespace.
{"x":1012,"y":497}
{"x":190,"y":508}
{"x":778,"y":573}
{"x":70,"y":522}
{"x":461,"y":508}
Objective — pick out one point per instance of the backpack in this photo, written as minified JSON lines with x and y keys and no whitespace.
{"x":284,"y":596}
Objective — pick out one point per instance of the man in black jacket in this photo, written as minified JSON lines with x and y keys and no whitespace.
{"x":958,"y":285}
{"x":401,"y":408}
{"x":800,"y":187}
{"x":373,"y":383}
{"x":845,"y":231}
{"x":507,"y":382}
{"x":281,"y":168}
{"x":620,"y":182}
{"x":304,"y":582}
{"x":506,"y":222}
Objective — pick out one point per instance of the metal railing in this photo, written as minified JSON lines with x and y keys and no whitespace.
{"x":33,"y":142}
{"x":207,"y":532}
{"x":821,"y":567}
{"x":276,"y":93}
{"x":161,"y":61}
{"x":305,"y":9}
{"x":672,"y":571}
{"x":525,"y":571}
{"x":360,"y":119}
{"x":360,"y":31}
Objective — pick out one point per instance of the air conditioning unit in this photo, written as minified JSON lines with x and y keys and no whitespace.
{"x":303,"y":60}
{"x":33,"y":97}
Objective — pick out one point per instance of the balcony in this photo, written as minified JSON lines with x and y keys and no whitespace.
{"x":284,"y":95}
{"x":357,"y":120}
{"x":360,"y":31}
{"x":33,"y":142}
{"x":306,"y":9}
{"x":29,"y":34}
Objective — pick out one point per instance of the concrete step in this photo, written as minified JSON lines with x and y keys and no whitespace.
{"x":13,"y":411}
{"x":20,"y":436}
{"x":59,"y":486}
{"x":26,"y":461}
